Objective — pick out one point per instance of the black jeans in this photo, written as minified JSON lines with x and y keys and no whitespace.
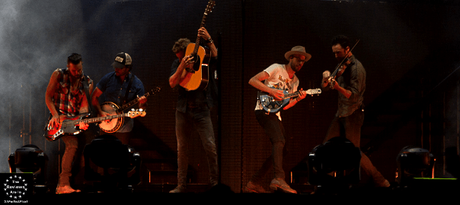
{"x":198,"y":119}
{"x":274,"y":130}
{"x":350,"y":127}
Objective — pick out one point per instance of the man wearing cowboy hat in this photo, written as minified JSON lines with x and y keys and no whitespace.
{"x":274,"y":80}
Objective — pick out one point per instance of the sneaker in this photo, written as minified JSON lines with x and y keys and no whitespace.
{"x":282,"y":185}
{"x":66,"y":190}
{"x":254,"y":188}
{"x":178,"y":189}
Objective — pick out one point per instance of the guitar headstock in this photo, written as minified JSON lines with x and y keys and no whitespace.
{"x":136,"y":113}
{"x":154,"y":90}
{"x":209,"y":7}
{"x":313,"y":91}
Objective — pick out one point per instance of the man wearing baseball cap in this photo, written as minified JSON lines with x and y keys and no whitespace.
{"x":117,"y":88}
{"x":274,"y":80}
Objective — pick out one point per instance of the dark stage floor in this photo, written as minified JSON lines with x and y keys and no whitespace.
{"x":224,"y":195}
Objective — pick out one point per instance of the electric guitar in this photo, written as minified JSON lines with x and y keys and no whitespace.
{"x":197,"y":77}
{"x":112,"y":108}
{"x":272,"y":106}
{"x":69,"y":124}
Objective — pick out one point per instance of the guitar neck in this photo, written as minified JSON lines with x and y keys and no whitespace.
{"x":100,"y":119}
{"x":135,"y":101}
{"x":291,"y":95}
{"x":297,"y":93}
{"x":203,"y":20}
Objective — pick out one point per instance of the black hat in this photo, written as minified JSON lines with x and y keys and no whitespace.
{"x":122,"y":59}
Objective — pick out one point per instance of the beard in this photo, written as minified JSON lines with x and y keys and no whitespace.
{"x":295,"y":67}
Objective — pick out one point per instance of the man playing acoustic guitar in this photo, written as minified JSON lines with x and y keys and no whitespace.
{"x":193,"y":110}
{"x":65,"y":96}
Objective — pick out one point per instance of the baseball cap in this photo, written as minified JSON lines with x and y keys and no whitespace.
{"x":121,"y":60}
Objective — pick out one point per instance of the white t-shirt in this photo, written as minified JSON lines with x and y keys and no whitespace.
{"x":279,"y":78}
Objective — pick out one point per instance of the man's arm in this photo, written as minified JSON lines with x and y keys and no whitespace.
{"x":95,"y":102}
{"x":204,"y":34}
{"x":84,"y":107}
{"x":180,"y":75}
{"x":343,"y":91}
{"x":294,"y":101}
{"x":256,"y":81}
{"x":328,"y":80}
{"x":50,"y":91}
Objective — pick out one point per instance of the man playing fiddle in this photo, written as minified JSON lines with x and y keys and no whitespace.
{"x":350,"y":82}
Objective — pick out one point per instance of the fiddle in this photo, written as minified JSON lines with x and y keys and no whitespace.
{"x":340,"y":68}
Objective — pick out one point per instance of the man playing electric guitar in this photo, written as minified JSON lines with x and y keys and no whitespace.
{"x":274,"y":80}
{"x":65,"y":96}
{"x":119,"y":87}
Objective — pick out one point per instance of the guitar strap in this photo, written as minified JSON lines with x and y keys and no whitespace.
{"x":86,"y":87}
{"x":127,"y":89}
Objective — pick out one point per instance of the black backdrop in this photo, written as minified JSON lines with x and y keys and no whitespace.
{"x":409,"y":49}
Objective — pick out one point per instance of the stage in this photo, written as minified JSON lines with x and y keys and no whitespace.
{"x":376,"y":195}
{"x":222,"y":193}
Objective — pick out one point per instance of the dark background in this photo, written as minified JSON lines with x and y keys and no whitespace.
{"x":410,"y":50}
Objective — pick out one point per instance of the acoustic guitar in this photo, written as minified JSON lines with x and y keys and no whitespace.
{"x":197,"y":77}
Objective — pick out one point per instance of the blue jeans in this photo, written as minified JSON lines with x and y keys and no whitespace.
{"x":198,"y":119}
{"x":274,"y":130}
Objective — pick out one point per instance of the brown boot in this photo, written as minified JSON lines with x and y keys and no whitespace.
{"x":254,"y":188}
{"x":178,"y":189}
{"x":282,"y":185}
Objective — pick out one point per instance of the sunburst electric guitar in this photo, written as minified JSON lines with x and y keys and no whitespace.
{"x":272,"y":106}
{"x":197,"y":77}
{"x":70,"y":124}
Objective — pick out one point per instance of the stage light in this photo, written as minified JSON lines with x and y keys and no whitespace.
{"x":30,"y":159}
{"x":334,"y":165}
{"x":414,"y":162}
{"x":114,"y":165}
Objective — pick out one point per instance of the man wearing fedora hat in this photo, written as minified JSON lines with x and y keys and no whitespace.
{"x":274,"y":80}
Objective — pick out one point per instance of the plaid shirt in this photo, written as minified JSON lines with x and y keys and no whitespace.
{"x":67,"y":102}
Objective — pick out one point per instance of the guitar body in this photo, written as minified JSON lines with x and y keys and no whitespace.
{"x":271,"y":105}
{"x":110,"y":107}
{"x":114,"y":124}
{"x":196,"y":78}
{"x":68,"y":126}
